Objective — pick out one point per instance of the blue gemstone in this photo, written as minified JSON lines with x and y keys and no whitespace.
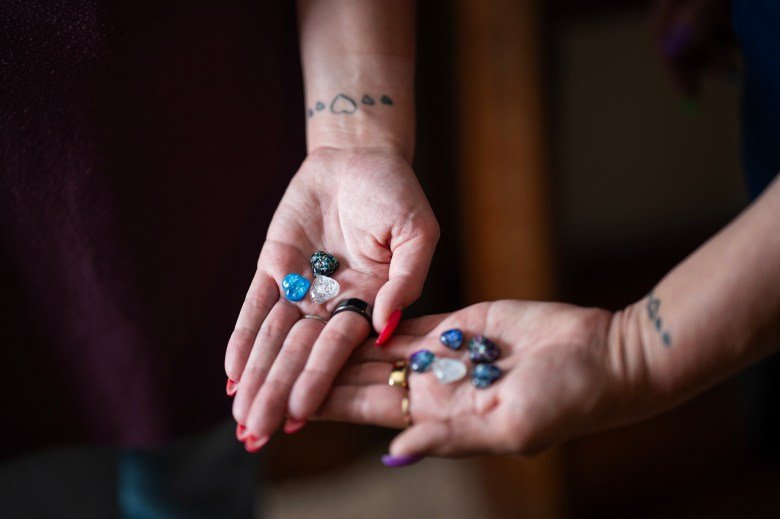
{"x":452,"y":339}
{"x":482,"y":350}
{"x":295,"y":286}
{"x":484,"y":375}
{"x":421,"y":361}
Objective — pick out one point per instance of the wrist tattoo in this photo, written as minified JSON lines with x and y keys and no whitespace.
{"x":343,"y":104}
{"x":653,"y":307}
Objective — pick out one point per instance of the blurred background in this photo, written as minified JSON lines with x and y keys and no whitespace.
{"x":562,"y":164}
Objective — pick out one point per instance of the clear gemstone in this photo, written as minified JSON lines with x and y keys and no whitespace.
{"x":449,"y":370}
{"x":324,"y":288}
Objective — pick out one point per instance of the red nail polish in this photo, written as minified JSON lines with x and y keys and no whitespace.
{"x":231,"y":387}
{"x":392,"y":323}
{"x":241,"y":432}
{"x":253,"y":444}
{"x":293,"y":426}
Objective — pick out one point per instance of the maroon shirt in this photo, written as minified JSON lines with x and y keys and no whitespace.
{"x":143,"y":148}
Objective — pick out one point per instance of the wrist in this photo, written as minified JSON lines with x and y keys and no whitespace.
{"x":347,"y":120}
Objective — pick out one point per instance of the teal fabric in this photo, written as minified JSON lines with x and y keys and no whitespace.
{"x":206,"y":477}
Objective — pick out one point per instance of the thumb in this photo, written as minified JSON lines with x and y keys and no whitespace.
{"x":454,"y":438}
{"x":408,"y":270}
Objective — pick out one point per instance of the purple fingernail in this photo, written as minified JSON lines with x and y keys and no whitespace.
{"x":675,"y":41}
{"x":388,"y":460}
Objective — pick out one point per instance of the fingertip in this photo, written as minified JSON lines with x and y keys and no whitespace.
{"x":392,"y":324}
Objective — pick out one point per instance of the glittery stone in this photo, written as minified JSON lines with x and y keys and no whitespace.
{"x":452,"y":339}
{"x":484,"y":375}
{"x":482,"y":350}
{"x":421,"y":361}
{"x":295,"y":286}
{"x":323,"y":264}
{"x":449,"y":370}
{"x":324,"y":288}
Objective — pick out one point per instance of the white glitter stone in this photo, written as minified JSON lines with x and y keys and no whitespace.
{"x":449,"y":370}
{"x":324,"y":288}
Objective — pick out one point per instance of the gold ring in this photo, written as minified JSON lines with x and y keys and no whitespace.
{"x":316,"y":317}
{"x":398,"y":374}
{"x":405,"y":411}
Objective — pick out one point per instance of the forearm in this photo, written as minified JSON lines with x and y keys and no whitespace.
{"x":358,"y":69}
{"x":713,"y":315}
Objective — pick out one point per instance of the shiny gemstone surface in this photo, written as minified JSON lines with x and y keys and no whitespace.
{"x":324,"y":288}
{"x":484,"y":375}
{"x":295,"y":286}
{"x":449,"y":370}
{"x":323,"y":264}
{"x":482,"y":350}
{"x":452,"y":339}
{"x":421,"y":361}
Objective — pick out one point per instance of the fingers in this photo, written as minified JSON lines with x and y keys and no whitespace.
{"x":411,"y":335}
{"x":334,"y":345}
{"x":455,"y":437}
{"x":267,"y":344}
{"x":260,"y":298}
{"x":408,"y":270}
{"x":378,"y":404}
{"x":270,"y":405}
{"x":364,"y":374}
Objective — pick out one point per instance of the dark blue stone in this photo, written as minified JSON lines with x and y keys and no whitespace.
{"x":421,"y":361}
{"x":295,"y":286}
{"x":482,"y":350}
{"x":484,"y":375}
{"x":452,"y":339}
{"x":323,"y":264}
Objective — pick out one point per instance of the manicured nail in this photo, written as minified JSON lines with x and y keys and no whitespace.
{"x":293,"y":426}
{"x":388,"y":460}
{"x":241,"y":432}
{"x":392,"y":323}
{"x":231,"y":388}
{"x":253,"y":444}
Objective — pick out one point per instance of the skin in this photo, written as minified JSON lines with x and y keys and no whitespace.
{"x":354,"y":196}
{"x":567,"y":370}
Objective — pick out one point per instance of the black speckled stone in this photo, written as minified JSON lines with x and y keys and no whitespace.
{"x":323,"y":264}
{"x":482,"y":350}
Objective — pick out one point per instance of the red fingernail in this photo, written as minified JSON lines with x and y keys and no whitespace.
{"x":392,"y":323}
{"x":253,"y":444}
{"x":293,"y":426}
{"x":231,"y":388}
{"x":241,"y":432}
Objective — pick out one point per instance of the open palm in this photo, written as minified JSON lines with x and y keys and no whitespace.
{"x":557,"y":381}
{"x":365,"y":207}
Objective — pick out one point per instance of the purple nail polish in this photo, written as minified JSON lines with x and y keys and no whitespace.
{"x":388,"y":460}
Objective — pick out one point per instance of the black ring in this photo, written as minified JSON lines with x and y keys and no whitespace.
{"x":354,"y":305}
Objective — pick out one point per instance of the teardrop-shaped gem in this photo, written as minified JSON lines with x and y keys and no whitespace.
{"x":452,"y":339}
{"x":323,"y":264}
{"x":449,"y":370}
{"x":483,"y":350}
{"x":484,"y":375}
{"x":323,"y":289}
{"x":295,"y":286}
